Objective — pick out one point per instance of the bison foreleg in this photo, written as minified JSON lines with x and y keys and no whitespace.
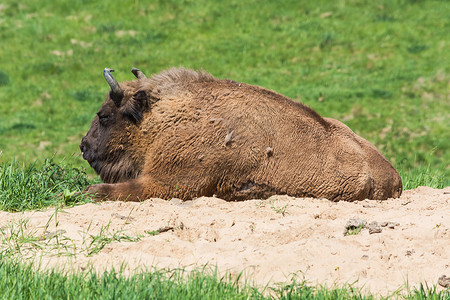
{"x":132,"y":190}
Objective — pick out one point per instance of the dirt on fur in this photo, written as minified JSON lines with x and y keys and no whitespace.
{"x":394,"y":242}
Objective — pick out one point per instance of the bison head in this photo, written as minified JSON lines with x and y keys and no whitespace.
{"x":110,"y":146}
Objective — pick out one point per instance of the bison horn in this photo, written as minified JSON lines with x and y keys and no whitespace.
{"x":138,"y":73}
{"x":117,"y":93}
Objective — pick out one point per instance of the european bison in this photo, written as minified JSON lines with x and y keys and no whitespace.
{"x":186,"y":134}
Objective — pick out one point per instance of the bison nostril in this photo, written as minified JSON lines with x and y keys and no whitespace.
{"x":83,"y":147}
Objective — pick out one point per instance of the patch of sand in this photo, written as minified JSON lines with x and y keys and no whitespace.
{"x":270,"y":240}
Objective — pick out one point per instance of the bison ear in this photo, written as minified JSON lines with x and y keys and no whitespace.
{"x":136,"y":106}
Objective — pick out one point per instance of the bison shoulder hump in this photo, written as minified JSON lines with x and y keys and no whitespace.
{"x":181,"y":76}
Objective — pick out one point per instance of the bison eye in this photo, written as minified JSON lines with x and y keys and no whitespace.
{"x":103,"y":118}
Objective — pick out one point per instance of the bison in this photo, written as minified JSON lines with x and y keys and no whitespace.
{"x":185,"y":134}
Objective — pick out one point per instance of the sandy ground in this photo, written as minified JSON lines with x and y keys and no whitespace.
{"x":270,"y":240}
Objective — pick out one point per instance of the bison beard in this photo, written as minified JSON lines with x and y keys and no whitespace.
{"x":186,"y":134}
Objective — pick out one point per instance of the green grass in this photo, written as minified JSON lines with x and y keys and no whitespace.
{"x":19,"y":281}
{"x":39,"y":185}
{"x":353,"y":231}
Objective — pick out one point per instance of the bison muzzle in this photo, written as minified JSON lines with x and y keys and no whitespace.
{"x":186,"y":134}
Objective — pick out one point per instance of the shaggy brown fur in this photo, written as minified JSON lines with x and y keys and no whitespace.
{"x":187,"y":134}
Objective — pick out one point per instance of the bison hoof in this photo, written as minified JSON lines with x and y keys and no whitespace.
{"x":97,"y":191}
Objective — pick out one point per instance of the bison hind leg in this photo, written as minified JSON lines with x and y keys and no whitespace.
{"x":249,"y":190}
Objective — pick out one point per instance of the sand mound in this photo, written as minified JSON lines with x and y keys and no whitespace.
{"x":270,"y":240}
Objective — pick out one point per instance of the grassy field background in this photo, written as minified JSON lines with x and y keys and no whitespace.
{"x":381,"y":67}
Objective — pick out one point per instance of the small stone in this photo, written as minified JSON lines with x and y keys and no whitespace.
{"x":176,"y":201}
{"x":374,"y":227}
{"x":392,"y":225}
{"x":444,"y":281}
{"x":354,"y":226}
{"x":355,"y":223}
{"x":368,"y":206}
{"x":187,"y":203}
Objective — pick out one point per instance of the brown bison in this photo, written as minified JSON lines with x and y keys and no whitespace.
{"x":186,"y":134}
